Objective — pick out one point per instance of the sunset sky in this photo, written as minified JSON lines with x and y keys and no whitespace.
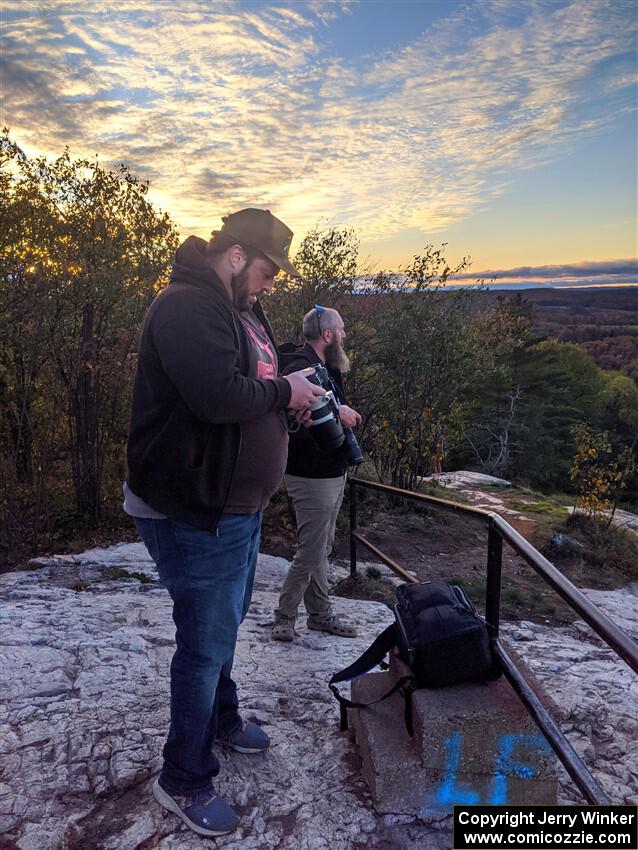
{"x":506,"y":128}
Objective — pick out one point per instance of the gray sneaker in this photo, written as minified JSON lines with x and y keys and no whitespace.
{"x":283,"y":630}
{"x":333,"y":625}
{"x":205,"y":812}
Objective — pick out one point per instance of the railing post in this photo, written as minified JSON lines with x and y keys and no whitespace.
{"x":498,"y":530}
{"x":353,"y":525}
{"x":493,"y":584}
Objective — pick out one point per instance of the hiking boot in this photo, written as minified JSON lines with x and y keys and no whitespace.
{"x":283,"y":630}
{"x":333,"y":625}
{"x":248,"y":738}
{"x":205,"y":812}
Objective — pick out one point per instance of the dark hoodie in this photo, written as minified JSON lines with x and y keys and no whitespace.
{"x":305,"y":459}
{"x":192,"y":393}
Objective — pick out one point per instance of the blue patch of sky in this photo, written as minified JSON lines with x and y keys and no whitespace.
{"x":15,"y":27}
{"x":142,"y":97}
{"x":597,"y":169}
{"x":59,"y":37}
{"x":376,"y":26}
{"x":605,"y":109}
{"x":93,"y":24}
{"x":589,"y":188}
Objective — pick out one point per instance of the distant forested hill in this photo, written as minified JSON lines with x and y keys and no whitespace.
{"x":604,"y":321}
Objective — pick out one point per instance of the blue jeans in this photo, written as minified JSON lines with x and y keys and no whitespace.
{"x":209,"y":576}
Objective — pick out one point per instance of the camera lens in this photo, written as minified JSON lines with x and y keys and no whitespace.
{"x":354,"y":455}
{"x":326,"y":429}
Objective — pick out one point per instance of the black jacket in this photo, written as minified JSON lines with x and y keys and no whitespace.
{"x":304,"y":458}
{"x":192,"y":392}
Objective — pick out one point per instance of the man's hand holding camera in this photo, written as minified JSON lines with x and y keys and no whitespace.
{"x":303,"y":393}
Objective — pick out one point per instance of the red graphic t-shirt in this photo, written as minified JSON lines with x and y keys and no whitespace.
{"x":262,"y":346}
{"x":264,"y":448}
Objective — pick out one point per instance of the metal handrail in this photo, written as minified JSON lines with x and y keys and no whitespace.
{"x":622,"y":644}
{"x":498,"y":530}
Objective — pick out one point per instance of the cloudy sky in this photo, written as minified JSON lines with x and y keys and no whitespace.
{"x":506,"y":128}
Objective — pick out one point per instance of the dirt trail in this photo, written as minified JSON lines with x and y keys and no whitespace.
{"x":436,"y":544}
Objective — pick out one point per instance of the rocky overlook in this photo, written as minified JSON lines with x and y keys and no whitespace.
{"x":87,"y":641}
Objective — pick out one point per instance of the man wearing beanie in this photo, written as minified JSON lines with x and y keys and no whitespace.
{"x":207,"y":448}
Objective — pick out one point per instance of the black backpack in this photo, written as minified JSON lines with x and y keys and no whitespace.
{"x":439,"y":635}
{"x":287,"y":351}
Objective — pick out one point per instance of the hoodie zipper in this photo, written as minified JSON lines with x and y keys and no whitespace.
{"x":232,"y":474}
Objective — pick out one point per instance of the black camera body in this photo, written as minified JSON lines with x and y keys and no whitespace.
{"x":326,"y":429}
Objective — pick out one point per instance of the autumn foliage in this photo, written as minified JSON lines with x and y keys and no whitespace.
{"x":444,"y":379}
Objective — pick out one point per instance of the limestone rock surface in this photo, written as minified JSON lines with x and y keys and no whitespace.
{"x":595,"y":693}
{"x":85,"y":670}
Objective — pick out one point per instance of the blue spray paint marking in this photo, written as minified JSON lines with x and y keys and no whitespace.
{"x":505,"y":765}
{"x":447,"y":793}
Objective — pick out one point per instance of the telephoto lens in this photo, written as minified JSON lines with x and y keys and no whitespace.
{"x":354,"y":455}
{"x":326,"y":429}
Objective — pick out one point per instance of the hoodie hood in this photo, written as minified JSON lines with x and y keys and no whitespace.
{"x":190,"y":265}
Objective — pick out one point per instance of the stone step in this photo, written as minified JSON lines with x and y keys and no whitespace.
{"x":473,"y":743}
{"x":391,"y":763}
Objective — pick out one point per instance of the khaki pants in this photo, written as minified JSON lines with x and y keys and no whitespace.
{"x":316,"y":502}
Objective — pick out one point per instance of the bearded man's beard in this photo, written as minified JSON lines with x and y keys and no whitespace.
{"x":239,"y":286}
{"x":337,"y":358}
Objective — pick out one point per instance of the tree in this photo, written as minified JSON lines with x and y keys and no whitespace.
{"x":599,"y":472}
{"x":619,"y":399}
{"x":418,"y":362}
{"x":328,"y":263}
{"x":493,"y":426}
{"x":632,"y":370}
{"x":82,"y":253}
{"x":620,"y":420}
{"x":561,"y":386}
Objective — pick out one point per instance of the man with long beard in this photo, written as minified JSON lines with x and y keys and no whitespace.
{"x":315,"y":480}
{"x":207,"y":448}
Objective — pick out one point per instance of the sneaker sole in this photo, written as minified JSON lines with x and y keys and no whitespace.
{"x":285,"y":638}
{"x":237,"y":749}
{"x":167,"y":802}
{"x":331,"y":632}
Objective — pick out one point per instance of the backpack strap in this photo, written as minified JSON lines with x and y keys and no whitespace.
{"x":406,"y":693}
{"x":401,"y":686}
{"x":373,"y":655}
